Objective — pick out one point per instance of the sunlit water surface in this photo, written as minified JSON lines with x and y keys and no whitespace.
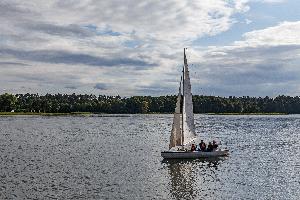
{"x":119,"y":158}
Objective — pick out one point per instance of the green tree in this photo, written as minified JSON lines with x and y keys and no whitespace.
{"x":7,"y":102}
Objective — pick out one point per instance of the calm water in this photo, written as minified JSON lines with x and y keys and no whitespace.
{"x":119,"y":158}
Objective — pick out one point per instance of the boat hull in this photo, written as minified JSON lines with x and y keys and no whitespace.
{"x":194,"y":154}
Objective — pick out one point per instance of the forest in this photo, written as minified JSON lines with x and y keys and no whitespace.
{"x":64,"y":103}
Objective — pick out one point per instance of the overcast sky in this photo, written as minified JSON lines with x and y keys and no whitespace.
{"x":134,"y":47}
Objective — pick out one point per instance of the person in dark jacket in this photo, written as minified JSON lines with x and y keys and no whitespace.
{"x":215,"y":145}
{"x":193,"y":148}
{"x":202,"y":145}
{"x":210,"y":147}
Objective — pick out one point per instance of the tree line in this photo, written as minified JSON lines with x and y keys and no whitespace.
{"x":64,"y":103}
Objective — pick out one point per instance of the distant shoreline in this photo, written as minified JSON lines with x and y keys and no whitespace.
{"x":43,"y":114}
{"x":89,"y":113}
{"x":246,"y":113}
{"x":88,"y":104}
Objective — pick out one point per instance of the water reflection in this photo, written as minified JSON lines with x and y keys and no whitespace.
{"x":76,"y":158}
{"x":188,"y":177}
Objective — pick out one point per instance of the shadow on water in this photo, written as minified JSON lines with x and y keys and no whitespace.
{"x":215,"y":161}
{"x":186,"y":174}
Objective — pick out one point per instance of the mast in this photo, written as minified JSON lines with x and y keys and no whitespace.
{"x":182,"y":129}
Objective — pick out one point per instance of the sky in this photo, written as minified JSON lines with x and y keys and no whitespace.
{"x":133,"y":47}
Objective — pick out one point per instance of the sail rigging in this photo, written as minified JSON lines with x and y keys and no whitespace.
{"x":188,"y":125}
{"x":183,"y":127}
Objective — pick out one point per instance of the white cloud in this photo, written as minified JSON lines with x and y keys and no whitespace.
{"x":247,"y":21}
{"x":131,"y":47}
{"x":286,"y":33}
{"x":272,"y":1}
{"x":241,"y":5}
{"x":124,"y":32}
{"x":265,"y":62}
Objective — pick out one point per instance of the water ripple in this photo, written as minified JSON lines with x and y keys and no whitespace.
{"x":116,"y":157}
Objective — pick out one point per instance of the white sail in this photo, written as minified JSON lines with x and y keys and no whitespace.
{"x":188,"y":125}
{"x":176,"y":136}
{"x":183,"y":128}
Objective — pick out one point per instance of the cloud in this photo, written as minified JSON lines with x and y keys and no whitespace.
{"x":47,"y":56}
{"x":272,"y":1}
{"x":72,"y":30}
{"x":247,"y":21}
{"x":265,"y":62}
{"x":101,"y":86}
{"x":283,"y":34}
{"x":12,"y":63}
{"x":153,"y":19}
{"x":170,"y":21}
{"x":71,"y":87}
{"x":139,"y":41}
{"x":133,"y":47}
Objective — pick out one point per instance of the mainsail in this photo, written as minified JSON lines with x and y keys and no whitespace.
{"x":184,"y":134}
{"x":176,"y":137}
{"x":188,"y":126}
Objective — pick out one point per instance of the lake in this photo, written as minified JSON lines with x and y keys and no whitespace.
{"x":118,"y":157}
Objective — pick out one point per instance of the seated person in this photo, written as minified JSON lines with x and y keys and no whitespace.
{"x":215,"y":145}
{"x":202,"y":145}
{"x":193,"y":148}
{"x":210,"y":147}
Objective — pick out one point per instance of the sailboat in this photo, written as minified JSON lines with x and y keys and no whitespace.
{"x":183,"y":128}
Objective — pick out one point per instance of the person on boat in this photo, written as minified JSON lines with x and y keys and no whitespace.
{"x":215,"y":145}
{"x":193,"y":148}
{"x":210,"y":147}
{"x":202,"y":145}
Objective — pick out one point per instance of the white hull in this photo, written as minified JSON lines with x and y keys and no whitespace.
{"x":194,"y":154}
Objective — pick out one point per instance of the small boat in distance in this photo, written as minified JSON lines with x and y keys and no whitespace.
{"x":183,"y":128}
